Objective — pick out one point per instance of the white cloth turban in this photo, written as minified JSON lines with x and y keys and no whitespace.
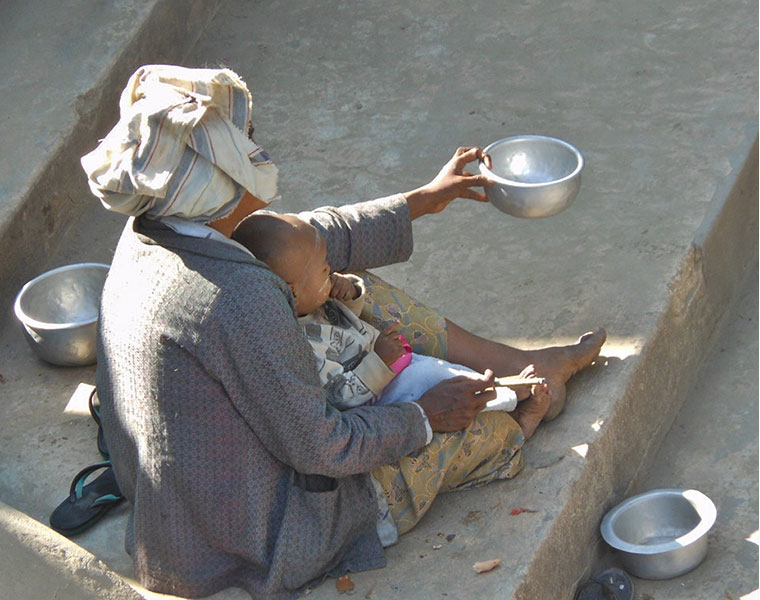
{"x":180,"y":147}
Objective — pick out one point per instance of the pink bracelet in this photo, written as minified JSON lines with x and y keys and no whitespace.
{"x":402,"y":362}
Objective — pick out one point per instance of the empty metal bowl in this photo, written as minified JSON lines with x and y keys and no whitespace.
{"x":59,"y":312}
{"x":533,"y":176}
{"x":662,"y":533}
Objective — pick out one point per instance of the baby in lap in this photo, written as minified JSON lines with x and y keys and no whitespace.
{"x":357,"y":363}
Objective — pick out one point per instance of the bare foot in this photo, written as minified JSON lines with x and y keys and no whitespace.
{"x":529,"y":413}
{"x":559,"y":364}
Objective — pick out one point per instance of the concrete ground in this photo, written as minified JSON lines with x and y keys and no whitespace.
{"x":357,"y":100}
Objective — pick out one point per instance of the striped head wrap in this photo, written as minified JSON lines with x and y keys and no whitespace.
{"x":180,"y":147}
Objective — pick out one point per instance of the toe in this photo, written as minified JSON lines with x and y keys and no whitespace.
{"x":598,"y":336}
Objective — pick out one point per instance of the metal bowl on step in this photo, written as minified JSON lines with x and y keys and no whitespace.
{"x":59,"y":313}
{"x":662,"y":533}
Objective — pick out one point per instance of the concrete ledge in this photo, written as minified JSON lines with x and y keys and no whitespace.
{"x":41,"y":205}
{"x":39,"y":563}
{"x":711,"y":274}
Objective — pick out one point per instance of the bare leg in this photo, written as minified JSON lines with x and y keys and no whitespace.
{"x":532,"y":411}
{"x":556,"y":363}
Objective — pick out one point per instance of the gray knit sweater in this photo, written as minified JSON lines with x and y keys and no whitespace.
{"x":237,"y":470}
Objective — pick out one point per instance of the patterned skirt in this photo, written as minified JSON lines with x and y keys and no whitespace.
{"x":490,"y":449}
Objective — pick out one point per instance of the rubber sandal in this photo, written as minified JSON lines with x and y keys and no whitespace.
{"x":87,"y":502}
{"x":611,"y":584}
{"x":95,"y":412}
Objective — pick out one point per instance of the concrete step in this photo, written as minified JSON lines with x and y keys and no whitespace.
{"x":39,"y":563}
{"x":713,"y":447}
{"x":357,"y":101}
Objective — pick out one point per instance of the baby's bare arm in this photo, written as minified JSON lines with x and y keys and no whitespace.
{"x":388,"y":345}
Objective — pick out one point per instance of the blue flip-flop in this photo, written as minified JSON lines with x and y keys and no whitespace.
{"x":87,"y":502}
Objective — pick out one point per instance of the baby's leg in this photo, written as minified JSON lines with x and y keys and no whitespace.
{"x":529,"y":413}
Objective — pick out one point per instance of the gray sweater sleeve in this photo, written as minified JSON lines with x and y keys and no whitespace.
{"x":365,"y":235}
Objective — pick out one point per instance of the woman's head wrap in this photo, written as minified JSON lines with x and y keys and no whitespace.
{"x":180,"y":147}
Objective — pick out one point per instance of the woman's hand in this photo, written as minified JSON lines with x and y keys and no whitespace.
{"x":450,"y":183}
{"x":343,"y":288}
{"x":453,"y":404}
{"x":388,"y":345}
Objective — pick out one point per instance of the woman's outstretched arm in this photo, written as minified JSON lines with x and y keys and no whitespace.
{"x":452,"y":182}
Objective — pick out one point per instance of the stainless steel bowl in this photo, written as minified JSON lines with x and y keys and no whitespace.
{"x":662,"y":533}
{"x":59,"y":312}
{"x":533,"y":176}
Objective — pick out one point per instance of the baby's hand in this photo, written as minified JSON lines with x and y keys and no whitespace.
{"x":343,"y":288}
{"x":388,"y":346}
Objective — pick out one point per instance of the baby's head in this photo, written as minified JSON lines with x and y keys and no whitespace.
{"x":294,"y":250}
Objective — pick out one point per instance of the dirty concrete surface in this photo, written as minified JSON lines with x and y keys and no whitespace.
{"x":359,"y":100}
